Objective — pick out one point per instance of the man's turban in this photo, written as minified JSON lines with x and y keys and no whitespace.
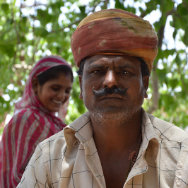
{"x":112,"y":32}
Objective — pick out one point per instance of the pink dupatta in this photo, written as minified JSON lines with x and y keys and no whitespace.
{"x":30,"y":124}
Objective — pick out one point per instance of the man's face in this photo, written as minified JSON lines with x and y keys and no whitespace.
{"x":112,"y":72}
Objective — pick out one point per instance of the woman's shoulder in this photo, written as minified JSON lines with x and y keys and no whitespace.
{"x":30,"y":112}
{"x":20,"y":121}
{"x":24,"y":116}
{"x":24,"y":113}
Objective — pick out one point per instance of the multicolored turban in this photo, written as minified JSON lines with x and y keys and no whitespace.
{"x":114,"y":32}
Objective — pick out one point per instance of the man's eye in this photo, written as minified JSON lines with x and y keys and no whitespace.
{"x":124,"y":72}
{"x":96,"y":71}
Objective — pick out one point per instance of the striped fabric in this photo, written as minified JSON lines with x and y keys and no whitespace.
{"x":30,"y":124}
{"x":70,"y":159}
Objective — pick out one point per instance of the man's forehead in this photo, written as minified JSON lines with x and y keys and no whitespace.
{"x":115,"y":60}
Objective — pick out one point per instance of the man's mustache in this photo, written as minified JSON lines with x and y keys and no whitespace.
{"x":106,"y":91}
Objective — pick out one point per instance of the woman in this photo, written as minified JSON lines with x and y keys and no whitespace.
{"x":47,"y":88}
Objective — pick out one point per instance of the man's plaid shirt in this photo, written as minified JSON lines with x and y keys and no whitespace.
{"x":69,"y":159}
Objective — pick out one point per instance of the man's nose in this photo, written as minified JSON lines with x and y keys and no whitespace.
{"x":110,"y":79}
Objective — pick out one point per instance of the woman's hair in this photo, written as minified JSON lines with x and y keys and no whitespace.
{"x":54,"y":73}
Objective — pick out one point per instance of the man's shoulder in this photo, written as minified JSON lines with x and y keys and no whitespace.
{"x":66,"y":137}
{"x":54,"y":139}
{"x":168,"y":130}
{"x":51,"y":145}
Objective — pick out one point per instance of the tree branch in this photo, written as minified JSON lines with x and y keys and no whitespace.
{"x":155,"y":93}
{"x":154,"y":77}
{"x":30,"y":6}
{"x":181,"y":75}
{"x":171,"y":12}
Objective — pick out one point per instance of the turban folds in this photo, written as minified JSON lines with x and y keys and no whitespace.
{"x":114,"y":32}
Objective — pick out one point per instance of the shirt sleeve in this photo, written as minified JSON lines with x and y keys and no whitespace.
{"x":35,"y":174}
{"x":181,"y":176}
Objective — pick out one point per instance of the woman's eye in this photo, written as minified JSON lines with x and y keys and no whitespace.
{"x":55,"y":88}
{"x":67,"y":91}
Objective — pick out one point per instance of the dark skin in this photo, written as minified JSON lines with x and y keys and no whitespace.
{"x":116,"y":119}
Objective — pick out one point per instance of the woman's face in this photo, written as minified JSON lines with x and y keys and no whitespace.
{"x":53,"y":93}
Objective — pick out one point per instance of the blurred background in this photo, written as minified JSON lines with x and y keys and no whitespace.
{"x":30,"y":29}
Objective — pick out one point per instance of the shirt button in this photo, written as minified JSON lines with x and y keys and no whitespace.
{"x":180,"y":165}
{"x":179,"y":175}
{"x":178,"y":183}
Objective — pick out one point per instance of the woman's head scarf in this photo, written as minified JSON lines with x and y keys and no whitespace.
{"x":29,"y":98}
{"x":31,"y":124}
{"x":114,"y":32}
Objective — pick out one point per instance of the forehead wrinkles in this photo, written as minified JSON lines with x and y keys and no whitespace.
{"x":118,"y":61}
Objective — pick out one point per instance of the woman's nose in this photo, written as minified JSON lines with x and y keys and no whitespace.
{"x":110,"y":79}
{"x":61,"y":95}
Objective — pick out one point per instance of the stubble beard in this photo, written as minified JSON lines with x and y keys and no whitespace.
{"x":114,"y":113}
{"x":124,"y":114}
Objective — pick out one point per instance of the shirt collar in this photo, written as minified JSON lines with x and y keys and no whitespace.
{"x":150,"y":139}
{"x":148,"y":131}
{"x":81,"y":130}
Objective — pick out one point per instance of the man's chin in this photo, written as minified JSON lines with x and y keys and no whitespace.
{"x":111,"y":110}
{"x":110,"y":115}
{"x":114,"y":113}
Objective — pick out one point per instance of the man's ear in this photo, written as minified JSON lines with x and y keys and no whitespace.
{"x":35,"y":85}
{"x":146,"y":84}
{"x":80,"y":81}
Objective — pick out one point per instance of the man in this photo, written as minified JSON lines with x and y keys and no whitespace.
{"x":116,"y":143}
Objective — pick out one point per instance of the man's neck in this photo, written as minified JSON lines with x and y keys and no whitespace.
{"x":116,"y":134}
{"x":117,"y":141}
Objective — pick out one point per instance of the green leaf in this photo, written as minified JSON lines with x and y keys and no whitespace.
{"x":7,"y":48}
{"x":5,"y":7}
{"x":162,"y":74}
{"x":44,"y":17}
{"x":40,"y":31}
{"x":167,"y":5}
{"x":151,"y":5}
{"x":185,"y":37}
{"x":181,"y":9}
{"x":119,"y":4}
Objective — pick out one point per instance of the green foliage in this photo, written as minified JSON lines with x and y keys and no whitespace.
{"x":5,"y":7}
{"x":29,"y":32}
{"x":1,"y":130}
